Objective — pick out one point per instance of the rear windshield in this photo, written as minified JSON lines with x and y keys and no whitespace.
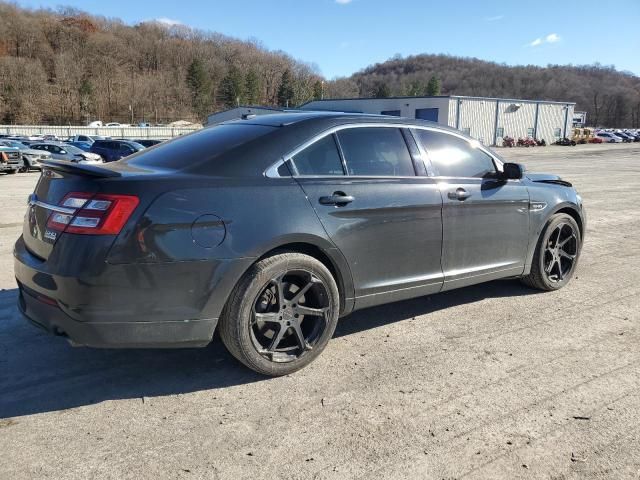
{"x":200,"y":146}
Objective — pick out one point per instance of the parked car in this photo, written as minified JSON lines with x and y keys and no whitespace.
{"x":112,"y":150}
{"x":64,"y":151}
{"x":86,"y":138}
{"x":148,"y":142}
{"x":86,"y":146}
{"x":626,"y":138}
{"x":10,"y":159}
{"x":30,"y":157}
{"x":608,"y":137}
{"x":272,"y":228}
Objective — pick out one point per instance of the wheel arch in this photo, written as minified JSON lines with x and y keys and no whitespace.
{"x":573,"y":213}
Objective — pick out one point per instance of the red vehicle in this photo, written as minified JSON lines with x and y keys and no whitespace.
{"x":526,"y":142}
{"x":508,"y":142}
{"x":596,"y":140}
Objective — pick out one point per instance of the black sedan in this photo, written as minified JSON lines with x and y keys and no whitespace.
{"x":271,"y":228}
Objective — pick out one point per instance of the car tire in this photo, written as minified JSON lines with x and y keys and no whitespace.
{"x":279,"y":289}
{"x":11,"y":172}
{"x":557,"y":253}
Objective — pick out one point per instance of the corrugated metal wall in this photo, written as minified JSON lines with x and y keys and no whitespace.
{"x":551,"y":119}
{"x":453,"y":111}
{"x":478,"y":116}
{"x":516,"y":119}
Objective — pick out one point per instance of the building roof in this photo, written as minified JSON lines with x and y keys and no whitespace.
{"x":461,"y":97}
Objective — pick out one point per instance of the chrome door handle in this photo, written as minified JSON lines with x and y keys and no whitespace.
{"x":459,"y":194}
{"x":338,"y":199}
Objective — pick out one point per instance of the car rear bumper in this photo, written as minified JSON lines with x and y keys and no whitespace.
{"x":124,"y":305}
{"x":164,"y":334}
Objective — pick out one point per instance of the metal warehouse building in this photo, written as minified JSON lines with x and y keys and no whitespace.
{"x":486,"y":119}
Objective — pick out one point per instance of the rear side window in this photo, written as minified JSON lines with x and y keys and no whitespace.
{"x":200,"y":146}
{"x":371,"y":151}
{"x":453,"y":156}
{"x":320,"y":158}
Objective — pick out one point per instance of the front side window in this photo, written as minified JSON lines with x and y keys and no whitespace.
{"x":372,"y":151}
{"x":319,"y":159}
{"x":453,"y":156}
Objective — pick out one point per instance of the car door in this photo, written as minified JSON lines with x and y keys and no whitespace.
{"x":383,"y":216}
{"x":485,"y":219}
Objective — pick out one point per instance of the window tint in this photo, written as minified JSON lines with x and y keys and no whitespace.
{"x":320,"y":158}
{"x":204,"y":145}
{"x":376,"y":152}
{"x":453,"y":156}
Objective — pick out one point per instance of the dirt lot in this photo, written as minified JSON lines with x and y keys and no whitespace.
{"x":492,"y":381}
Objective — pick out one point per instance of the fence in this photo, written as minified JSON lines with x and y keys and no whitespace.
{"x":123,"y":132}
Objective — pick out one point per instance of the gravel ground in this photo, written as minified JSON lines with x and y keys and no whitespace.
{"x":491,"y":381}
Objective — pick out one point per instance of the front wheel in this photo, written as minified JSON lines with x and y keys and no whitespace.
{"x":556,"y":255}
{"x":281,"y":315}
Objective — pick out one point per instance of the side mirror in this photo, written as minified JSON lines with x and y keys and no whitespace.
{"x":512,"y":171}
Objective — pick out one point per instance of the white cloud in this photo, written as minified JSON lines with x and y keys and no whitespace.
{"x":495,"y":18}
{"x":551,"y":38}
{"x":169,"y":22}
{"x":343,"y":2}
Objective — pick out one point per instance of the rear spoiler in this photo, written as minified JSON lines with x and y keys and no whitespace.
{"x":79,"y":169}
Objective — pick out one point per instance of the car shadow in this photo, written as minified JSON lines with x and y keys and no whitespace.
{"x":41,"y":373}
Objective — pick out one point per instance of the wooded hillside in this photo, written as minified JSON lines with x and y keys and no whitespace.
{"x":68,"y":67}
{"x":610,"y":98}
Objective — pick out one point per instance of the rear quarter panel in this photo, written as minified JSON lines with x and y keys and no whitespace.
{"x":257,"y":216}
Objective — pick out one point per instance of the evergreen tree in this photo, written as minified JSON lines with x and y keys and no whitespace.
{"x":252,"y":88}
{"x":433,"y":87}
{"x":285,"y":91}
{"x":233,"y":87}
{"x":415,"y":88}
{"x":200,"y":85}
{"x":318,"y":90}
{"x":381,"y":90}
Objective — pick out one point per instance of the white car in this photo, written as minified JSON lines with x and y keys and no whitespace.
{"x":608,"y":137}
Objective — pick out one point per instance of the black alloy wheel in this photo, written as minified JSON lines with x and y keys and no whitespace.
{"x":561,"y":252}
{"x":556,"y":255}
{"x":289,"y":316}
{"x":282,"y":313}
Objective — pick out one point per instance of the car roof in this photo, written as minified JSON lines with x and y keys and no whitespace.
{"x":319,"y":119}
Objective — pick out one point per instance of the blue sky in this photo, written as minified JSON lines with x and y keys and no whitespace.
{"x":344,"y":36}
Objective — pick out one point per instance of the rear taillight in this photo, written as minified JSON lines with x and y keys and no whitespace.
{"x":100,"y":214}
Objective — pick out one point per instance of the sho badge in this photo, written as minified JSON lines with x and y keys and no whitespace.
{"x":50,"y":235}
